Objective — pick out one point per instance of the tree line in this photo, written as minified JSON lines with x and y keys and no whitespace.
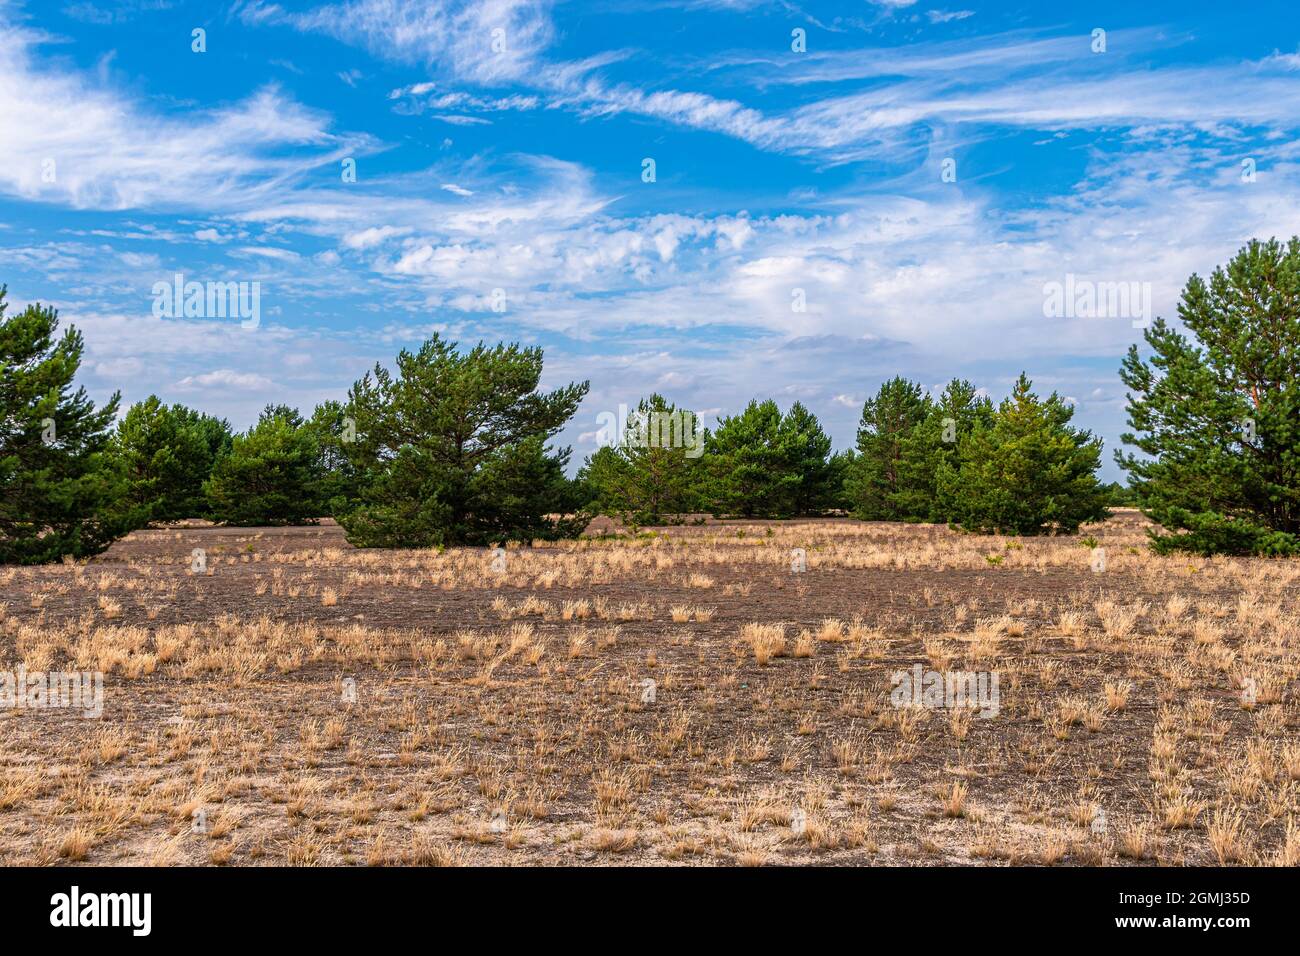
{"x":1018,"y":467}
{"x":453,"y":446}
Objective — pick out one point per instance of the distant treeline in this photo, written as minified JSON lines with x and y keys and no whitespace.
{"x":1017,"y":467}
{"x":453,"y":446}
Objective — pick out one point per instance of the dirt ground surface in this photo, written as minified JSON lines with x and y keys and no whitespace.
{"x":679,"y":696}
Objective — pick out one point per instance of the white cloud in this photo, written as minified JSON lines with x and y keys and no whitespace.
{"x":72,"y":139}
{"x":947,"y":16}
{"x":973,"y":81}
{"x":225,"y":378}
{"x":489,"y":41}
{"x":374,"y":236}
{"x":269,"y":252}
{"x":1286,"y":61}
{"x":414,"y":102}
{"x":456,"y":119}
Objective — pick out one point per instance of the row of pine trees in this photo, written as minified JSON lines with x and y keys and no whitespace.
{"x":454,"y":447}
{"x":1017,"y":467}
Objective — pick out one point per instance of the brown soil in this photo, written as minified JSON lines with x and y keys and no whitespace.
{"x":1146,"y":711}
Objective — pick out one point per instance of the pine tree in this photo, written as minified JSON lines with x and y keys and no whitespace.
{"x":648,"y":476}
{"x":60,"y":494}
{"x":806,"y":452}
{"x":215,"y":432}
{"x":444,"y":448}
{"x":525,"y":495}
{"x":270,"y":476}
{"x":339,"y":480}
{"x":1027,"y":472}
{"x":166,"y":454}
{"x":1216,"y":417}
{"x":930,"y":449}
{"x":762,"y":464}
{"x":887,"y":421}
{"x":749,"y":472}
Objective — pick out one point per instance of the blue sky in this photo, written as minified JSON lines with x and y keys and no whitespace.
{"x":501,"y":146}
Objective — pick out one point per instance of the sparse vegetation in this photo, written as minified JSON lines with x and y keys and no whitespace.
{"x":324,"y":705}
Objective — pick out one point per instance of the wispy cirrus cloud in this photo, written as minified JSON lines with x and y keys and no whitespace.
{"x":78,"y":141}
{"x":484,"y":41}
{"x":225,"y":378}
{"x":1011,"y":81}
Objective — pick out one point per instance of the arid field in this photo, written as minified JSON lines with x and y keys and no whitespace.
{"x":298,"y":701}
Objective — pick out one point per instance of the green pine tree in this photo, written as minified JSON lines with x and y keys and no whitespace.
{"x":338,"y":478}
{"x":525,"y":495}
{"x":887,"y":420}
{"x":749,"y":471}
{"x":60,"y":492}
{"x":215,"y":432}
{"x":270,"y":476}
{"x":1027,"y":472}
{"x":930,"y":448}
{"x":806,"y":455}
{"x":1216,"y":416}
{"x":648,"y":476}
{"x":762,"y":464}
{"x":166,"y":454}
{"x":445,"y":449}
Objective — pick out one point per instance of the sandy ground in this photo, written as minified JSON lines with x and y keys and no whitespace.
{"x":290,"y":699}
